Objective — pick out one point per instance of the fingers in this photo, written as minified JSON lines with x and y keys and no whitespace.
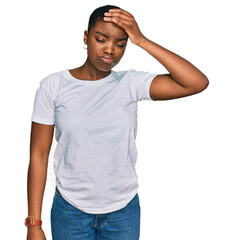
{"x":125,"y":20}
{"x":119,"y":21}
{"x":116,"y":10}
{"x":116,"y":19}
{"x":119,"y":16}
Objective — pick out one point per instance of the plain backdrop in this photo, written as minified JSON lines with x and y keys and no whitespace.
{"x":184,"y":164}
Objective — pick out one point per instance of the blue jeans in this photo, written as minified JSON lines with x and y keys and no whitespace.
{"x":70,"y":223}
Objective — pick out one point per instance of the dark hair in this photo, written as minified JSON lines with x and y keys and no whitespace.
{"x":98,"y":14}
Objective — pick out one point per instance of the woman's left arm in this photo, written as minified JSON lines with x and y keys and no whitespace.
{"x":184,"y":78}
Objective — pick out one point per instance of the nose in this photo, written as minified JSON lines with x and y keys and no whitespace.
{"x":109,"y":48}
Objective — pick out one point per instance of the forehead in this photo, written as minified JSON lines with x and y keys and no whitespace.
{"x":111,"y":29}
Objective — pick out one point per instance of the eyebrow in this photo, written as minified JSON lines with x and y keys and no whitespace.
{"x":107,"y":36}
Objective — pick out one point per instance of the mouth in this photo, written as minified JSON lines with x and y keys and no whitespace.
{"x":106,"y":59}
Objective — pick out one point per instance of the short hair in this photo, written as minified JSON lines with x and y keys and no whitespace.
{"x":98,"y":14}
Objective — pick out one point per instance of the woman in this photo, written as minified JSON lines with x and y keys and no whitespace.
{"x":94,"y":109}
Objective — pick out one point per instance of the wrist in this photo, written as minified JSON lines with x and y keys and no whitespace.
{"x":34,"y":228}
{"x":31,"y":222}
{"x":141,"y":42}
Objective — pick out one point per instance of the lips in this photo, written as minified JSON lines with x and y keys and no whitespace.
{"x":106,"y":59}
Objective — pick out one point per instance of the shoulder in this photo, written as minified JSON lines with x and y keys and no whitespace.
{"x":125,"y":73}
{"x":52,"y":78}
{"x":133,"y":73}
{"x":51,"y":83}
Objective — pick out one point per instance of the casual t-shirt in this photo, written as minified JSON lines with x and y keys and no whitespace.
{"x":95,"y":129}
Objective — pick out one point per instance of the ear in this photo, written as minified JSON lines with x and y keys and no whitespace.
{"x":85,"y":36}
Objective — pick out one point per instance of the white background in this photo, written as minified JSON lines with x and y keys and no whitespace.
{"x":185,"y":154}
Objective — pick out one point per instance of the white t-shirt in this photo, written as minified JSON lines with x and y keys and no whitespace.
{"x":95,"y":129}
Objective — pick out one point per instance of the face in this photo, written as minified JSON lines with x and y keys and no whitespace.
{"x":106,"y":43}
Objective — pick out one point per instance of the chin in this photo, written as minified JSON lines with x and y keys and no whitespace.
{"x":107,"y":68}
{"x":104,"y":67}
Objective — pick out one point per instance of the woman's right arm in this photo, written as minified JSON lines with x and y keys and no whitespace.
{"x":40,"y":144}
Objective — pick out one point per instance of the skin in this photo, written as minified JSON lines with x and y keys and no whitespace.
{"x":183,"y":79}
{"x":40,"y":145}
{"x":104,"y":39}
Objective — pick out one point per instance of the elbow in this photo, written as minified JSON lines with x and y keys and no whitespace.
{"x":204,"y":83}
{"x":201,"y":85}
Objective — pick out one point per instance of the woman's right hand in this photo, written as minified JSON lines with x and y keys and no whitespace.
{"x":35,"y":233}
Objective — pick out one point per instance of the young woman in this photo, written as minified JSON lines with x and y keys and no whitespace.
{"x":94,"y":111}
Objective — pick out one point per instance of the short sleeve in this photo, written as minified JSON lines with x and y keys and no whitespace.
{"x":142,"y":81}
{"x":43,"y":110}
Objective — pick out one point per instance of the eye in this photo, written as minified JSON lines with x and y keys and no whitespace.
{"x":99,"y":40}
{"x":121,"y":46}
